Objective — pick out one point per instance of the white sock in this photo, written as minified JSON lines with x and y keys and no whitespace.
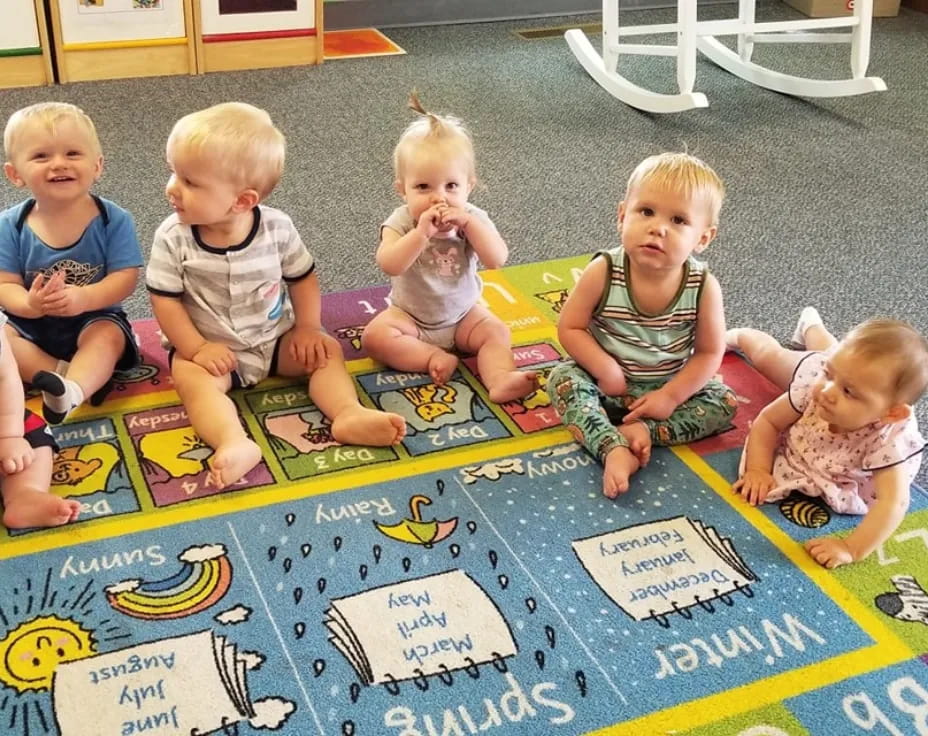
{"x":808,"y":317}
{"x":60,"y":395}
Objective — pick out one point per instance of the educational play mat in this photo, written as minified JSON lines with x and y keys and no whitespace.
{"x":471,"y":581}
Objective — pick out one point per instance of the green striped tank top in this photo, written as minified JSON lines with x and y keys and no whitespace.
{"x":649,"y":347}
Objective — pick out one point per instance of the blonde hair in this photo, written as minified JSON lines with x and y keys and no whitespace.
{"x":440,"y":133}
{"x":238,"y":139}
{"x":683,"y":174}
{"x":49,"y":115}
{"x":897,"y":343}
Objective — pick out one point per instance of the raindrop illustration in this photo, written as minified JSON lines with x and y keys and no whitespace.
{"x":299,"y":628}
{"x":531,"y":605}
{"x":471,"y":526}
{"x":494,"y":558}
{"x":455,"y":550}
{"x":362,"y":571}
{"x":354,"y":690}
{"x":337,"y":543}
{"x":581,"y":682}
{"x":348,"y":728}
{"x":305,"y":549}
{"x":271,"y":553}
{"x":407,"y":563}
{"x":540,"y":659}
{"x":320,"y":585}
{"x":549,"y":632}
{"x":297,"y":595}
{"x":440,"y":486}
{"x":318,"y":667}
{"x":503,"y":581}
{"x":377,"y":550}
{"x":290,"y":518}
{"x":288,"y":563}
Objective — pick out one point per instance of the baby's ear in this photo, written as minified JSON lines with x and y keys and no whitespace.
{"x":707,"y":237}
{"x":897,"y":413}
{"x":13,"y":175}
{"x":247,"y":200}
{"x":400,"y":189}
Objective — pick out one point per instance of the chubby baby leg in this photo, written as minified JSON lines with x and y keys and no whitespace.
{"x":392,"y":338}
{"x":332,"y":390}
{"x":483,"y":333}
{"x":26,"y":498}
{"x":215,"y":419}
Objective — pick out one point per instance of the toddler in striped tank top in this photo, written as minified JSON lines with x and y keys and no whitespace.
{"x":645,"y":327}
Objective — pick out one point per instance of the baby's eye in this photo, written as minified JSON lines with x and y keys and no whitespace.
{"x":848,"y":393}
{"x":72,"y":154}
{"x":39,"y":155}
{"x":422,"y":187}
{"x":677,"y":220}
{"x":452,"y":185}
{"x":646,"y":211}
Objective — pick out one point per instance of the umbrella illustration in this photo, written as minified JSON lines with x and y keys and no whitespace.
{"x":417,"y":531}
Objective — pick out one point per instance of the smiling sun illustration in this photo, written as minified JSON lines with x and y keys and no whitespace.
{"x":30,"y":653}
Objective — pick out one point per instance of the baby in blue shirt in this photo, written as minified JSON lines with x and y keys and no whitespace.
{"x":67,"y":260}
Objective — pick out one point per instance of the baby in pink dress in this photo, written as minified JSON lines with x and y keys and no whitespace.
{"x":844,"y":430}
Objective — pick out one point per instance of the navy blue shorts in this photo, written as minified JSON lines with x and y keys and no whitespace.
{"x":57,"y":336}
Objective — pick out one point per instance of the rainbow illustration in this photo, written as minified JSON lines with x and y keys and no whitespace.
{"x":201,"y":582}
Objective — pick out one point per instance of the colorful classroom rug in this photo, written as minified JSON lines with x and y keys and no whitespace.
{"x":357,"y":43}
{"x":472,"y":580}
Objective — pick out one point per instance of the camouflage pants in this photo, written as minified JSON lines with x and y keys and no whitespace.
{"x":591,"y":416}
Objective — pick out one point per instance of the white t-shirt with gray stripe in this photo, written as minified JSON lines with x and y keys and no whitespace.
{"x":236,"y":296}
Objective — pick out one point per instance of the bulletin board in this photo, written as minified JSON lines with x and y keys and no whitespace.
{"x":251,"y":16}
{"x":19,"y":29}
{"x":250,"y":34}
{"x":106,"y":39}
{"x":87,"y":21}
{"x":25,"y":59}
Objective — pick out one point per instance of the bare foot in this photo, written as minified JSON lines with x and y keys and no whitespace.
{"x":31,"y":508}
{"x":358,"y":425}
{"x":513,"y":385}
{"x":441,"y":366}
{"x":732,"y":337}
{"x":620,"y":464}
{"x":639,"y":440}
{"x":230,"y":462}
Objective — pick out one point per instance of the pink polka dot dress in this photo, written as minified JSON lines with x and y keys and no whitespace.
{"x":838,"y":467}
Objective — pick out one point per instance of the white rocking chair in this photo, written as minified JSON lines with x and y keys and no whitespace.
{"x":693,"y":34}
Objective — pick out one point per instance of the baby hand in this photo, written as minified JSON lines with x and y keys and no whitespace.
{"x":454,"y":217}
{"x":41,"y":288}
{"x":429,"y":223}
{"x":66,"y":302}
{"x":754,"y":486}
{"x":16,"y":455}
{"x":216,"y":358}
{"x":310,"y":347}
{"x":829,"y":552}
{"x":654,"y":404}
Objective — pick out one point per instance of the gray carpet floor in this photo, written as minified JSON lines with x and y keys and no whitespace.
{"x":826,"y":198}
